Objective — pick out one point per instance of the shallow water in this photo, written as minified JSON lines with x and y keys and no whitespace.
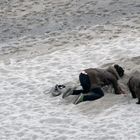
{"x":49,"y":42}
{"x":22,"y":20}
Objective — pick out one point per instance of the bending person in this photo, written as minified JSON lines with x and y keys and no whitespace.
{"x":93,"y":79}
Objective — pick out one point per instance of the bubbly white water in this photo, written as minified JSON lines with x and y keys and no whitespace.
{"x":49,"y":42}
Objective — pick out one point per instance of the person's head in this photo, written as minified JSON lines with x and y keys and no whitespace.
{"x":119,"y":70}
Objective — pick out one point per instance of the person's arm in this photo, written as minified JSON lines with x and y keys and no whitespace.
{"x":116,"y":86}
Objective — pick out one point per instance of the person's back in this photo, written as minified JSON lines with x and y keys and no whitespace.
{"x":134,"y":86}
{"x":102,"y":77}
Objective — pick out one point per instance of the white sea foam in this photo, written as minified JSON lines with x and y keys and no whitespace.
{"x":49,"y":42}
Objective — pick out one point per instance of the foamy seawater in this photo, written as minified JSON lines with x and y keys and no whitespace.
{"x":38,"y":26}
{"x":49,"y":42}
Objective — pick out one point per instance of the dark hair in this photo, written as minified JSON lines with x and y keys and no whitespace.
{"x":119,"y":70}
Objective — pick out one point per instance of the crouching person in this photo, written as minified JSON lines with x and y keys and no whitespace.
{"x":134,"y":86}
{"x":93,"y":79}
